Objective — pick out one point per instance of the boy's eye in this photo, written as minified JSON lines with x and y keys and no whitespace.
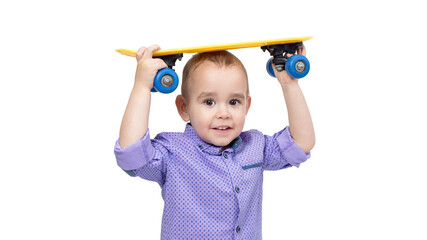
{"x":234,"y":102}
{"x":209,"y":102}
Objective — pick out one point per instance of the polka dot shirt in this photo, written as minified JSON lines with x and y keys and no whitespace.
{"x":209,"y":193}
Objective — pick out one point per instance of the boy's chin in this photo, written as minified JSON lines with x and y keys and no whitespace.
{"x":219,"y":140}
{"x":221,"y":143}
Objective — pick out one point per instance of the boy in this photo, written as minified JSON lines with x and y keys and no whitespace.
{"x":211,"y":175}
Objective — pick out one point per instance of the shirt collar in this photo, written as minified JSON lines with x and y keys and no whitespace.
{"x":234,"y":146}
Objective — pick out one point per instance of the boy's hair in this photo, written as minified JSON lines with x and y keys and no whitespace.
{"x":220,"y":58}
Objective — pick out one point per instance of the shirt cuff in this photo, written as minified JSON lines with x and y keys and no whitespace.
{"x":136,"y":155}
{"x":293,"y":154}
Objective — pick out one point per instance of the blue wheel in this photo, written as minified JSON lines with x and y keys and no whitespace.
{"x":269,"y":67}
{"x":297,"y":66}
{"x":166,"y":81}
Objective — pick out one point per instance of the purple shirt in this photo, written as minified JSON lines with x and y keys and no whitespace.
{"x":210,"y":194}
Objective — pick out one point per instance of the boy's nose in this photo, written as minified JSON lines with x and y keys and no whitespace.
{"x":223,"y":112}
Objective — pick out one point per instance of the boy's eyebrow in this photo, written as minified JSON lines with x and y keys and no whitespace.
{"x":212,"y":94}
{"x":238,"y":95}
{"x":206,"y":94}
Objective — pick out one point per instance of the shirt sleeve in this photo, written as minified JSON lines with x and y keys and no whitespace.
{"x":145,"y":158}
{"x":282,"y":152}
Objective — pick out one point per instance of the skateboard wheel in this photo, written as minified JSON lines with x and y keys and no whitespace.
{"x":166,"y":81}
{"x":269,"y":67}
{"x":297,"y":66}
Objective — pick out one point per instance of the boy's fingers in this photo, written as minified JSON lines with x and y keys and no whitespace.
{"x":154,"y":48}
{"x":140,"y":53}
{"x":161,"y":64}
{"x":150,"y":50}
{"x":302,"y":50}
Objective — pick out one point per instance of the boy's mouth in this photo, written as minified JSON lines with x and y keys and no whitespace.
{"x":222,"y":129}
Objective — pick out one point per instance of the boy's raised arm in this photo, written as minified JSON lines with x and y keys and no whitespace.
{"x":300,"y":122}
{"x":135,"y":119}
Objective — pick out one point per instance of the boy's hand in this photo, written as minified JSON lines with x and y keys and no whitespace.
{"x":283,"y":76}
{"x":147,"y":67}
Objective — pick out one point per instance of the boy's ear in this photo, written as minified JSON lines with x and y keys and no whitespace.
{"x":248,"y":104}
{"x":181,"y":106}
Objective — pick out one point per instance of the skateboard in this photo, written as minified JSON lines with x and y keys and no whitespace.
{"x":297,"y":66}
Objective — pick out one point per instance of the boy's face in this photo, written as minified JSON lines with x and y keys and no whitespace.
{"x":217,"y":103}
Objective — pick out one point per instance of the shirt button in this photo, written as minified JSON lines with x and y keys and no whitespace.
{"x":237,"y":189}
{"x":238,"y":229}
{"x":200,"y":146}
{"x":225,"y":155}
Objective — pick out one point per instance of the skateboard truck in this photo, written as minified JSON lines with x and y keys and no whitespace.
{"x":297,"y":66}
{"x":166,"y":80}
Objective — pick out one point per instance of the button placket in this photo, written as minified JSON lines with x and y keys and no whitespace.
{"x":235,"y":168}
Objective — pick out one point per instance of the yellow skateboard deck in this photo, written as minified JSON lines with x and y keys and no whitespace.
{"x":219,"y":47}
{"x":297,"y":66}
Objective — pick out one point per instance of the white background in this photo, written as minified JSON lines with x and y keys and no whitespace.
{"x":64,"y":89}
